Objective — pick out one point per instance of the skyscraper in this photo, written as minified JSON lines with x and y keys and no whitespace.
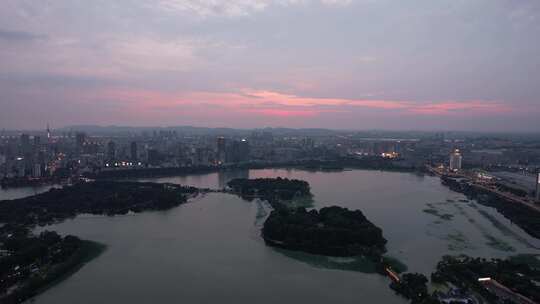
{"x":243,"y":151}
{"x":80,"y":141}
{"x":111,"y":150}
{"x":455,"y":160}
{"x":221,"y":150}
{"x":25,"y":144}
{"x":133,"y":150}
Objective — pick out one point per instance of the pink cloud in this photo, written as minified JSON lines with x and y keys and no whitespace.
{"x":269,"y":103}
{"x":284,"y":113}
{"x":450,"y":107}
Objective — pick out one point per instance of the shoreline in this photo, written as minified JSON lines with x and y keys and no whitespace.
{"x":33,"y":288}
{"x":91,"y":251}
{"x":523,"y":216}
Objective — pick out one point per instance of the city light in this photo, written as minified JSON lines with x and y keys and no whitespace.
{"x":484,"y":279}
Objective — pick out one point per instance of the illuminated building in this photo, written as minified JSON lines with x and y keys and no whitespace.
{"x":455,"y":160}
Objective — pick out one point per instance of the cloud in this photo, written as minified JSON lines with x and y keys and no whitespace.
{"x":235,"y":8}
{"x":283,"y":113}
{"x":324,"y":61}
{"x":18,"y":36}
{"x":269,"y":103}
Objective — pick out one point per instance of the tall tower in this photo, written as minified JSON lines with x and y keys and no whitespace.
{"x":48,"y":132}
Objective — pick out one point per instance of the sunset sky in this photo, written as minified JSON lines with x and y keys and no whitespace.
{"x":341,"y":64}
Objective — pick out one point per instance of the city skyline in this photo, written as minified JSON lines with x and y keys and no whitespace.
{"x":333,"y":64}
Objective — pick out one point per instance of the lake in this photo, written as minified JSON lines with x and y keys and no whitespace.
{"x":209,"y":250}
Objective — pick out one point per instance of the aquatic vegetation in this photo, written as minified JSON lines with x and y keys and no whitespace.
{"x":435,"y":212}
{"x":458,"y":241}
{"x":505,"y":230}
{"x":498,"y":244}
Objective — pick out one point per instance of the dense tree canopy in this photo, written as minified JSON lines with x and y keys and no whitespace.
{"x":96,"y":198}
{"x":332,"y":231}
{"x":270,"y":189}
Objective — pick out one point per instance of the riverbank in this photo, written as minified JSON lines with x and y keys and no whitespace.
{"x":31,"y":264}
{"x":368,"y":163}
{"x":89,"y":251}
{"x":525,"y":217}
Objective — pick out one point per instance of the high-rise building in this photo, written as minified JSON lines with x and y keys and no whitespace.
{"x":538,"y":186}
{"x":80,"y":139}
{"x":221,"y":150}
{"x":133,"y":151}
{"x":243,"y":151}
{"x":37,"y":171}
{"x":37,"y":141}
{"x":237,"y":151}
{"x":111,"y":150}
{"x":455,"y":160}
{"x":25,"y":144}
{"x":153,"y":156}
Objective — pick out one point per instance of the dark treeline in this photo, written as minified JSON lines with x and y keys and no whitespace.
{"x":526,"y":218}
{"x":464,"y":272}
{"x":26,"y":182}
{"x":514,"y":191}
{"x":413,"y":286}
{"x":332,"y":231}
{"x":31,"y":262}
{"x":271,"y":189}
{"x":99,"y":197}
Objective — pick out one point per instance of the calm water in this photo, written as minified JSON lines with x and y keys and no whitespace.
{"x":210,"y":251}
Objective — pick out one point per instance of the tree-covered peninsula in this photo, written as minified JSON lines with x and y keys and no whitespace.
{"x":29,"y":263}
{"x":101,"y":197}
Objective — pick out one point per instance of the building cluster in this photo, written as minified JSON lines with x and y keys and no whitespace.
{"x":43,"y":154}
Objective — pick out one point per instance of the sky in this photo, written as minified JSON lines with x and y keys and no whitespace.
{"x":340,"y":64}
